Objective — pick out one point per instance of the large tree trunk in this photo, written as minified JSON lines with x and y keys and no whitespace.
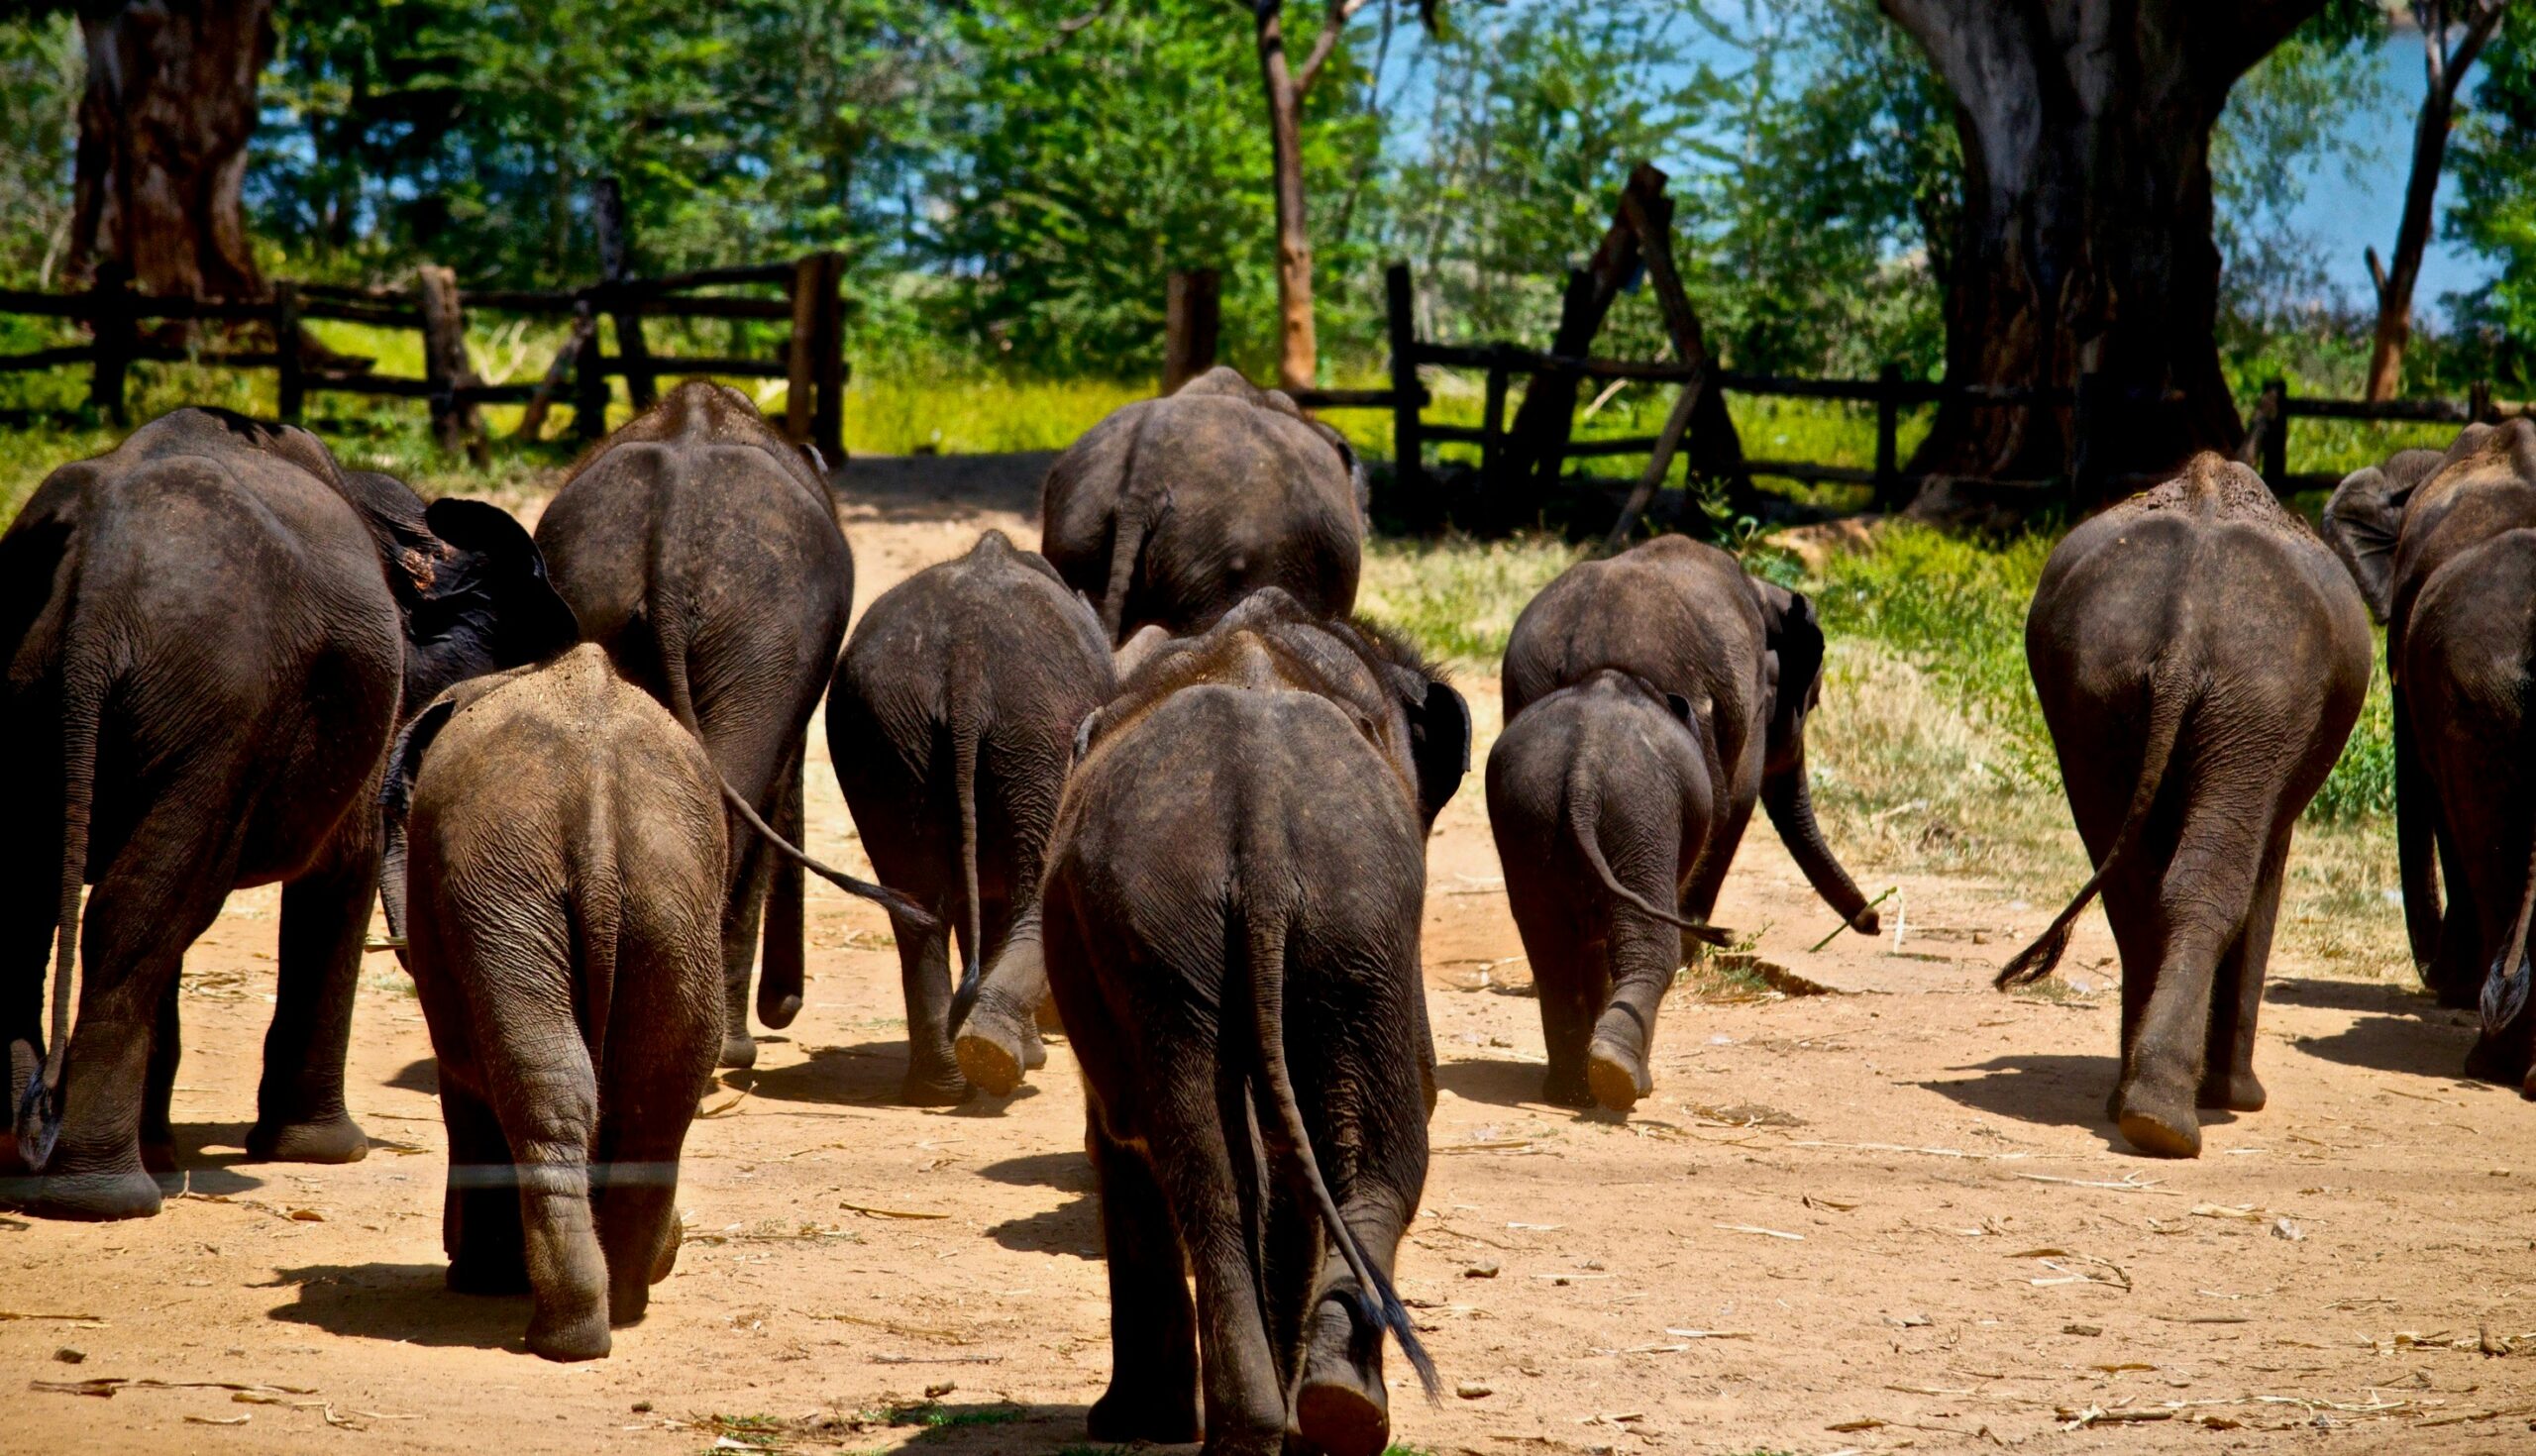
{"x":2442,"y":70}
{"x":1297,"y":349}
{"x":164,"y":127}
{"x":2085,"y":242}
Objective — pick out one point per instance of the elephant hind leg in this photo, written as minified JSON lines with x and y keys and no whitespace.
{"x":1153,"y":1330}
{"x":752,"y":875}
{"x":480,"y":1214}
{"x":2228,"y":1077}
{"x":634,"y":1193}
{"x":933,"y":1077}
{"x":549,"y":1113}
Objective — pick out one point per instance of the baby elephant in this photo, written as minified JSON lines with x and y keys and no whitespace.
{"x":951,"y":725}
{"x":1602,"y":796}
{"x":562,"y":879}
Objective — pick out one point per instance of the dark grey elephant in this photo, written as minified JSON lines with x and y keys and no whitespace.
{"x":702,"y":550}
{"x":2395,"y":527}
{"x":1745,"y":654}
{"x":209,"y":631}
{"x":1600,"y":797}
{"x":1231,"y":924}
{"x":1171,"y":510}
{"x":2200,"y":658}
{"x":951,"y":723}
{"x":2469,"y":655}
{"x":560,"y":890}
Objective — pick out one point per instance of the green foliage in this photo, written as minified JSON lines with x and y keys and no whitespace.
{"x":2492,"y":208}
{"x":1459,"y":598}
{"x":39,"y":80}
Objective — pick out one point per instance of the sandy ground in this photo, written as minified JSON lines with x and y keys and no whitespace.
{"x":1885,"y":1219}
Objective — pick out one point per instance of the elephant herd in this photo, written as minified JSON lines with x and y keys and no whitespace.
{"x":1161,"y":785}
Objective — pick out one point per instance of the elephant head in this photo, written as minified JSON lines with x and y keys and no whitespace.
{"x":2365,"y":516}
{"x":1792,"y":652}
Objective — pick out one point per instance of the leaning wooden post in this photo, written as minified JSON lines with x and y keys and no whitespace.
{"x":445,"y":355}
{"x":1407,"y":396}
{"x":2478,"y":402}
{"x":2275,"y":438}
{"x":290,"y":385}
{"x":1889,"y":439}
{"x":1193,"y":321}
{"x":800,"y":373}
{"x":590,"y":374}
{"x":1716,"y":452}
{"x":1492,"y":422}
{"x":117,"y":335}
{"x":616,"y":272}
{"x":827,"y":354}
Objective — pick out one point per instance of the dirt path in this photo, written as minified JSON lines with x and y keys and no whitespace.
{"x":1884,"y":1221}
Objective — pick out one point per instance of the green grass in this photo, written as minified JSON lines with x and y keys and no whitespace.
{"x":1457,"y":598}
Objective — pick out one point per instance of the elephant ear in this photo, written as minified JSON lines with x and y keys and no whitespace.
{"x":2362,"y":523}
{"x":486,"y":602}
{"x":1438,"y":745}
{"x":396,"y":801}
{"x":1791,"y":633}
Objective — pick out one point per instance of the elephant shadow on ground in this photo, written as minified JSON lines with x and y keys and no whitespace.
{"x":405,"y":1303}
{"x":421,"y":1075}
{"x":2048,"y":1090}
{"x":2424,"y":1046}
{"x":1073,"y":1228}
{"x":954,"y":1429}
{"x":200,"y":1170}
{"x":1499,"y":1082}
{"x":864,"y":1076}
{"x":939,"y":487}
{"x":2388,"y":998}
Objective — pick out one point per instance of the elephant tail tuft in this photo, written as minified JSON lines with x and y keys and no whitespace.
{"x":1264,"y":949}
{"x":2170,"y":699}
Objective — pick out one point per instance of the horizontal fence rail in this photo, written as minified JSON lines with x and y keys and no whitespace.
{"x":812,"y":358}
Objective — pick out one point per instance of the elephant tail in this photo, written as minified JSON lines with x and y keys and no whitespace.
{"x":967,"y":728}
{"x":86,"y":677}
{"x":1264,"y":937}
{"x":2169,"y":700}
{"x":1126,"y":544}
{"x":1582,"y":823}
{"x":909,"y":914}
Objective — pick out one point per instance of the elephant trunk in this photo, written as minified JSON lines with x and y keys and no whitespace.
{"x":2417,"y":841}
{"x":1789,"y":802}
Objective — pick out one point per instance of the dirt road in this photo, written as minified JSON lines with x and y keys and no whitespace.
{"x":1893,"y":1218}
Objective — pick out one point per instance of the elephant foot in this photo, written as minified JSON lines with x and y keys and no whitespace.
{"x":994,"y":1050}
{"x":159,"y":1158}
{"x":1341,"y":1409}
{"x":779,"y":1012}
{"x":664,"y":1262}
{"x":2162,"y":1127}
{"x":1126,"y":1413}
{"x":94,"y":1198}
{"x":581,"y":1335}
{"x":1567,"y":1087}
{"x":335,"y":1139}
{"x":739,"y":1052}
{"x":627,"y":1304}
{"x":1616,"y":1075}
{"x":2236,"y":1092}
{"x":933,"y":1089}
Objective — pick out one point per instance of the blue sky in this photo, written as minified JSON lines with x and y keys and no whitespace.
{"x":2346,"y":214}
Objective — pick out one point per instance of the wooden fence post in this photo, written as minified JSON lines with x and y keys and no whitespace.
{"x":1407,"y":396}
{"x":2276,"y":439}
{"x":589,"y":375}
{"x":616,"y":265}
{"x":827,"y":353}
{"x":116,"y":334}
{"x":1889,"y":439}
{"x":1193,"y":320}
{"x":1492,"y":423}
{"x":290,"y":385}
{"x":801,"y":372}
{"x":444,"y":368}
{"x":2478,"y":402}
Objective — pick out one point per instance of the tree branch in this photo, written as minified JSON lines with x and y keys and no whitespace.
{"x":2376,"y":272}
{"x":2478,"y":31}
{"x":1068,"y":29}
{"x":1340,"y":12}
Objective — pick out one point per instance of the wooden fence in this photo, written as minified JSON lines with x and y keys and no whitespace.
{"x":812,"y":361}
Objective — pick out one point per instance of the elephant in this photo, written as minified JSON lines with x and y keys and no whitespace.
{"x":1231,"y":923}
{"x":2394,"y":528}
{"x":1171,"y":510}
{"x":951,"y":725}
{"x":2200,"y":658}
{"x":703,"y":551}
{"x":1600,"y":797}
{"x":211,"y":632}
{"x":561,"y":894}
{"x":2469,"y":651}
{"x":1745,"y":653}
